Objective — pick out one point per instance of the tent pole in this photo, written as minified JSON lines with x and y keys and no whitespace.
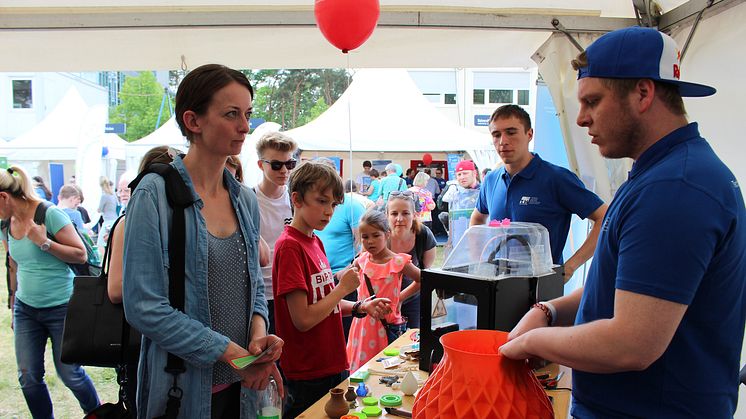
{"x":694,"y":28}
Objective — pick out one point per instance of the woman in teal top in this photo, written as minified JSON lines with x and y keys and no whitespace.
{"x":45,"y":283}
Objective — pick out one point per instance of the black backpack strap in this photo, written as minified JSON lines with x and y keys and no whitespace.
{"x":179,"y":197}
{"x":41,"y":212}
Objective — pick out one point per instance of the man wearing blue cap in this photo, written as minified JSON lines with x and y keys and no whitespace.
{"x":659,"y":325}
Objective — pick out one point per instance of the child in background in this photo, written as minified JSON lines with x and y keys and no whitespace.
{"x":374,"y":190}
{"x":384,"y":270}
{"x":424,"y":198}
{"x":67,"y":200}
{"x":308,"y":306}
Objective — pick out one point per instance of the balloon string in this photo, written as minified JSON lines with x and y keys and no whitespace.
{"x":349,"y":132}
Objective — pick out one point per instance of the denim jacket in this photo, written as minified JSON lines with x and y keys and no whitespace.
{"x":187,"y":335}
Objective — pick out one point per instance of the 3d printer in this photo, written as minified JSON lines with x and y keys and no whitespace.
{"x":490,"y":279}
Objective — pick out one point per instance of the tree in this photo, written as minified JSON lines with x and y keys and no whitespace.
{"x":295,"y":97}
{"x":140,"y":103}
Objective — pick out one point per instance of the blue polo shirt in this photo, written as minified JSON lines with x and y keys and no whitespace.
{"x":676,"y":230}
{"x":540,"y":193}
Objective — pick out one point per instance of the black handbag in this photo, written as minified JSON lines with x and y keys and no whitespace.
{"x":122,"y":409}
{"x":96,"y":332}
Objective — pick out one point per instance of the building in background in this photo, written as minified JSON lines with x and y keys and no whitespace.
{"x":469,"y":96}
{"x":26,"y":98}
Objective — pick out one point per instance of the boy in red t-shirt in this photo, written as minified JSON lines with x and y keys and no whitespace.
{"x":308,"y":306}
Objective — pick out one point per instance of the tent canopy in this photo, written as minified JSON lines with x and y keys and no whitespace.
{"x":169,"y":34}
{"x":58,"y":135}
{"x":167,"y":134}
{"x":365,"y":118}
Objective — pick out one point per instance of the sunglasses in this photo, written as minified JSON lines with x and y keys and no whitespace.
{"x":407,"y":193}
{"x":277,"y":165}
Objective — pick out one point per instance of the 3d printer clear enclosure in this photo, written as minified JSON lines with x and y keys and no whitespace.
{"x":518,"y":249}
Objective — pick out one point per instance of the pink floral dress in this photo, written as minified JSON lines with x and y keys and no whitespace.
{"x":367,"y":335}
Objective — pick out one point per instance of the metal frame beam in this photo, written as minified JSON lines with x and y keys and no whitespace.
{"x":688,"y":11}
{"x":138,"y":18}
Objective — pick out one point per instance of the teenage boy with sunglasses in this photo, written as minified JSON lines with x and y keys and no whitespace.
{"x":275,"y":151}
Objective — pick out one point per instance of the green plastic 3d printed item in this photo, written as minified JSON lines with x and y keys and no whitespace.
{"x":391,"y":400}
{"x":359,"y":376}
{"x":372,"y":411}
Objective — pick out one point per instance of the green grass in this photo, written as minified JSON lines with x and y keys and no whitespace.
{"x":12,"y":404}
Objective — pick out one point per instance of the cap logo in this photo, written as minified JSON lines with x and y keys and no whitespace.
{"x":676,"y":71}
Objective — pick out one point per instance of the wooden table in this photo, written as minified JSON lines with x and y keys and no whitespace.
{"x":560,"y":398}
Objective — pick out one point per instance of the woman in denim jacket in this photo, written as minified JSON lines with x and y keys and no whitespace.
{"x":225,"y":309}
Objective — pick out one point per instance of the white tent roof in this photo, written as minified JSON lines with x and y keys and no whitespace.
{"x":167,"y":134}
{"x":115,"y":144}
{"x":58,"y":136}
{"x":365,"y":118}
{"x":156,"y":34}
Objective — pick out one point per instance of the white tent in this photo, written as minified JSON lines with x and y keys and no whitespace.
{"x":167,"y":134}
{"x":71,"y":134}
{"x":56,"y":137}
{"x":365,"y":118}
{"x":115,"y":146}
{"x":101,"y":157}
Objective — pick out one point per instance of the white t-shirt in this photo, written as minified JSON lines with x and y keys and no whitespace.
{"x":275,"y":214}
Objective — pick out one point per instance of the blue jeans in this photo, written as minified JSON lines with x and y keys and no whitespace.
{"x":32,"y":327}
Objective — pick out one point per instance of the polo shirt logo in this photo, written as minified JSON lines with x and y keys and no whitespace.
{"x":734,"y":183}
{"x":529,"y":200}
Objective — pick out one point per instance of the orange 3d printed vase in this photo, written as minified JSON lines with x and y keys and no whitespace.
{"x":474,"y":381}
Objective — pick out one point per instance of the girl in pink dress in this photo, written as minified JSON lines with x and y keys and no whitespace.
{"x":384,"y":270}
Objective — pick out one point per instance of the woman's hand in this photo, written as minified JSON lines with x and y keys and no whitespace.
{"x":37,"y":233}
{"x":256,"y":376}
{"x":259,"y":344}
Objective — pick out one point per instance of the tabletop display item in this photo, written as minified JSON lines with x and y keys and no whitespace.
{"x":474,"y":381}
{"x":350,"y":395}
{"x":337,"y":405}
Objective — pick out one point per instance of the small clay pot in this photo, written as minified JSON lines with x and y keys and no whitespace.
{"x":336,"y":406}
{"x":350,"y":395}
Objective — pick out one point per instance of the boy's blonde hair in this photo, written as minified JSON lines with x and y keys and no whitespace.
{"x":276,"y":141}
{"x":69,"y":191}
{"x":316,"y":175}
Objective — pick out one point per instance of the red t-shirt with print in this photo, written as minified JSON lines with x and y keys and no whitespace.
{"x":300,"y":263}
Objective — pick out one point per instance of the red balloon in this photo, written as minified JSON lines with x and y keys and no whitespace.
{"x":346,"y":24}
{"x":427,"y":158}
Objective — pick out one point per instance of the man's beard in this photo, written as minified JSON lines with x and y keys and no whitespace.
{"x":626,"y":138}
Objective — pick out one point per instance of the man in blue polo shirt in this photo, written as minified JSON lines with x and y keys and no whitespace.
{"x":658,"y":327}
{"x":530,"y":189}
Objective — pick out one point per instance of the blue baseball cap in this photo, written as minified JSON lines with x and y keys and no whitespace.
{"x":639,"y":53}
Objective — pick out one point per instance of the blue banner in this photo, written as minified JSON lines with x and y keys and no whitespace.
{"x":453,"y":160}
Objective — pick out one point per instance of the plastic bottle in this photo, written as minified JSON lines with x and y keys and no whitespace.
{"x":270,"y":402}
